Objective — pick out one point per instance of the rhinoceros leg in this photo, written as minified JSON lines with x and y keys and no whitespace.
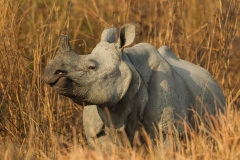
{"x":168,"y":103}
{"x":94,"y":126}
{"x":103,"y":127}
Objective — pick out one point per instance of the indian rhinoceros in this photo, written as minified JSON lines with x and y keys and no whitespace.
{"x":125,"y":89}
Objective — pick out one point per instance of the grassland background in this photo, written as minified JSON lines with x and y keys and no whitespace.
{"x":37,"y":123}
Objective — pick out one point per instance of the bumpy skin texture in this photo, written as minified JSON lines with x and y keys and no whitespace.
{"x":125,"y":88}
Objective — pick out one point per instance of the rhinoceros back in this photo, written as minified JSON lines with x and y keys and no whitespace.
{"x":200,"y":81}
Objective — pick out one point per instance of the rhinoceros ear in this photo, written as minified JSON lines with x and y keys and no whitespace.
{"x":64,"y":43}
{"x":127,"y":35}
{"x":109,"y":35}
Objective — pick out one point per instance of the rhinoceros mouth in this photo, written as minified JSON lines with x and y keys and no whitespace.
{"x":53,"y":80}
{"x":59,"y":82}
{"x":61,"y":85}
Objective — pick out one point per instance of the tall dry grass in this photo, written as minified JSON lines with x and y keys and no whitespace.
{"x":35,"y":123}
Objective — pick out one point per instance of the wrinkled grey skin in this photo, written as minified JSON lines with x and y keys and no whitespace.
{"x":125,"y":88}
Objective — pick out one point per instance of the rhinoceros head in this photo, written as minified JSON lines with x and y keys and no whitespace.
{"x":100,"y":78}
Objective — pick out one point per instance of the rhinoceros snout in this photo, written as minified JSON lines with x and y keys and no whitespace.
{"x":52,"y":77}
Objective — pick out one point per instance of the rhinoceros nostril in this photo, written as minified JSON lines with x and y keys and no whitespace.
{"x":59,"y":72}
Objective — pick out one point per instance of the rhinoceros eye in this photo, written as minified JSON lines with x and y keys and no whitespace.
{"x":91,"y":64}
{"x":92,"y":67}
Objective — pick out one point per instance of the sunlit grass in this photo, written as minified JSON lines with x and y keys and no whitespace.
{"x":37,"y":123}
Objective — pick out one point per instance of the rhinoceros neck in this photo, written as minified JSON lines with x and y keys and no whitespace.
{"x":145,"y":58}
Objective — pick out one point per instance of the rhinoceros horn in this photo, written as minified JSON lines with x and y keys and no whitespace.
{"x":64,"y":43}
